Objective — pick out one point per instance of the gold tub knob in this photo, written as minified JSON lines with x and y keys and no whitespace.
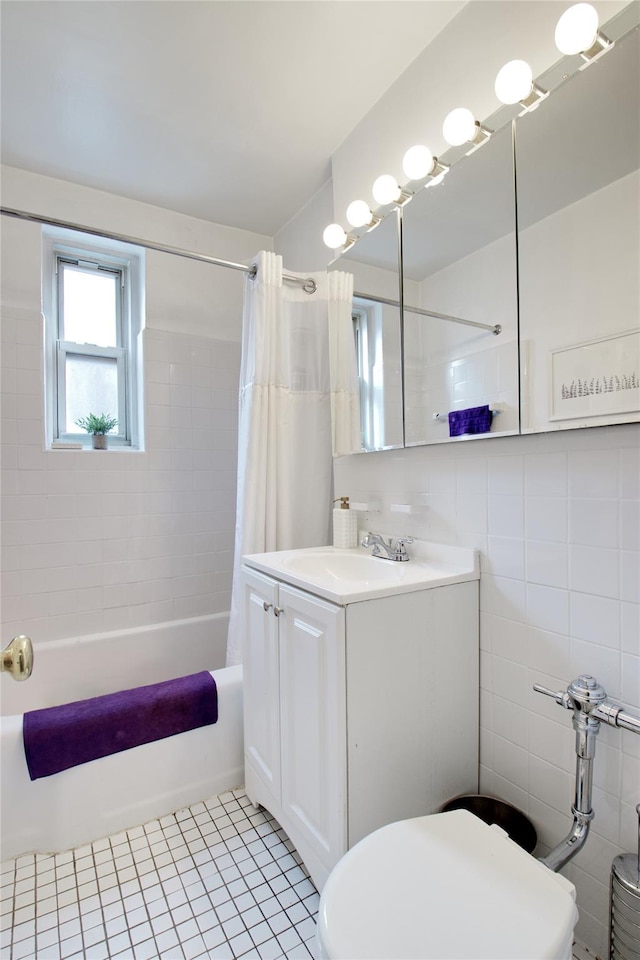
{"x":17,"y":659}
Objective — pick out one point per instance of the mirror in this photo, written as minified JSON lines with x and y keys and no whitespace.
{"x":578,"y":201}
{"x":459,"y":259}
{"x":374,"y":263}
{"x":566,"y":294}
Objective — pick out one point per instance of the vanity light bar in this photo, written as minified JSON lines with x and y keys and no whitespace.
{"x":576,"y":33}
{"x":534,"y":99}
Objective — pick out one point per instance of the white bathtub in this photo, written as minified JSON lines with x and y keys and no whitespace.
{"x":105,"y":796}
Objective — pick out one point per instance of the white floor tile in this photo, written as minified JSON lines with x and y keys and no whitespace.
{"x":218,"y":880}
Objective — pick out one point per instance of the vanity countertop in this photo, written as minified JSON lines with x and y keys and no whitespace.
{"x":349,"y":576}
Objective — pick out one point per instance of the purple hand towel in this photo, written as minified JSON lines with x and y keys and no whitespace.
{"x":471,"y":420}
{"x":57,"y":738}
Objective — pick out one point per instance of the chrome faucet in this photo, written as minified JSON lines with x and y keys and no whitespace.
{"x":391,"y":550}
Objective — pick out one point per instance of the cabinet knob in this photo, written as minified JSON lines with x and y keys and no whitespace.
{"x":266,"y":606}
{"x":277,"y":611}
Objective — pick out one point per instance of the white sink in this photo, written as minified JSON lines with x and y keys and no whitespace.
{"x":343,"y":565}
{"x":347,"y":576}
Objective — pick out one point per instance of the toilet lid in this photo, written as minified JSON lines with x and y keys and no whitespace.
{"x":444,"y":886}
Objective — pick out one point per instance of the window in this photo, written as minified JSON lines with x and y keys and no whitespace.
{"x":92,"y":300}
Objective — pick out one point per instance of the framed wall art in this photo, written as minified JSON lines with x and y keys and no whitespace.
{"x":596,"y":378}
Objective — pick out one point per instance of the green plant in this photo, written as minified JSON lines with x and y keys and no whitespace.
{"x":97,"y":425}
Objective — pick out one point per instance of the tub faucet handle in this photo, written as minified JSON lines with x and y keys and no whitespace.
{"x":17,"y":658}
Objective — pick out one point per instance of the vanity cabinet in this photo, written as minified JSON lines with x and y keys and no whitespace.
{"x":357,"y":714}
{"x":294,"y":694}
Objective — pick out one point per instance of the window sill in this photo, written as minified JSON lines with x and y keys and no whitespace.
{"x":81,"y":447}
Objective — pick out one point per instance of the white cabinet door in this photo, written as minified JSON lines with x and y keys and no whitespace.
{"x":313,"y":723}
{"x":261,"y":686}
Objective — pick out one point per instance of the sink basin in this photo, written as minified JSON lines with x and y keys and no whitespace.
{"x":344,"y":565}
{"x":347,"y":576}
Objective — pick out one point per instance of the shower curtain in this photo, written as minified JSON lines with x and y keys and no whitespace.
{"x":298,"y":406}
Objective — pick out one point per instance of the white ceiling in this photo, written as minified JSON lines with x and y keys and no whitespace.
{"x":227,"y":110}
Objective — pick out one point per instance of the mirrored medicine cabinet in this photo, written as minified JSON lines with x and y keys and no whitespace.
{"x":536,"y":231}
{"x":459,"y":258}
{"x":377,"y":327}
{"x":578,"y":248}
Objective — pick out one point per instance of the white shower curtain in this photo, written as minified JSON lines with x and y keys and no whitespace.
{"x":298,"y":405}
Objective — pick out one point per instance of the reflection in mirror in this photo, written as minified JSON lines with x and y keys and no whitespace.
{"x":459,"y":258}
{"x":373,"y":261}
{"x":578,"y":217}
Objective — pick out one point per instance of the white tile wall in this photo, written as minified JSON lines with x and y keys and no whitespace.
{"x":95,"y":541}
{"x":556,"y":518}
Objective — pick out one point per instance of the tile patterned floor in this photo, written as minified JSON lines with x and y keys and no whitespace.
{"x":216,"y":881}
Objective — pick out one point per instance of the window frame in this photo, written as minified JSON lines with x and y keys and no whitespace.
{"x":126,"y":262}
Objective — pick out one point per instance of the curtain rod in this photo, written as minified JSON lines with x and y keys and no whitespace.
{"x":495,"y":328}
{"x":307,"y":283}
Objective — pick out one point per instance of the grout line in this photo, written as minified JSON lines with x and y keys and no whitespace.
{"x":190,"y":848}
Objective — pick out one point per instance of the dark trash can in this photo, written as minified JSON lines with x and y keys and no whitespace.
{"x":492,"y":810}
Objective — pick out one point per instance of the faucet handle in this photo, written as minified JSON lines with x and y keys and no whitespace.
{"x":400,"y":548}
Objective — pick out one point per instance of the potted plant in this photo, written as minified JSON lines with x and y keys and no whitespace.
{"x":99,"y":427}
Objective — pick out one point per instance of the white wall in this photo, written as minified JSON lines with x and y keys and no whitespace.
{"x":557,"y":520}
{"x":95,"y":541}
{"x":299,"y":242}
{"x":182,"y":295}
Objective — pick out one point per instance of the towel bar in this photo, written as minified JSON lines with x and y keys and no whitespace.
{"x":495,"y":409}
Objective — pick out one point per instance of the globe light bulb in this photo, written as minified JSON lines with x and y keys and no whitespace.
{"x":577,"y":29}
{"x":514,"y":82}
{"x":417,"y":162}
{"x":358,"y":213}
{"x":334,"y":236}
{"x":386,"y":190}
{"x":459,"y":127}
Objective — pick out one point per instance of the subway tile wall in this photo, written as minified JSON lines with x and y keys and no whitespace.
{"x":95,"y":541}
{"x":556,"y":519}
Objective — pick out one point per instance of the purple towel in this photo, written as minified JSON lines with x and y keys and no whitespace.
{"x":61,"y":737}
{"x":472,"y":420}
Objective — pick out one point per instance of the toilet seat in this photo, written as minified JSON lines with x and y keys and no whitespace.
{"x":448,"y":887}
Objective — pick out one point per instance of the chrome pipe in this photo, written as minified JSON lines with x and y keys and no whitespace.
{"x":17,"y":658}
{"x":570,"y":846}
{"x":617,"y":716}
{"x":629,"y":721}
{"x":586,"y":733}
{"x":588,"y":700}
{"x":582,"y":696}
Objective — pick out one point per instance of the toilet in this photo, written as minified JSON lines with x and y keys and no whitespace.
{"x":444,"y":887}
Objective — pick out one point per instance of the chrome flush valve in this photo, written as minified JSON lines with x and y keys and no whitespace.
{"x":582,"y":694}
{"x":588,"y":700}
{"x":585,"y":696}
